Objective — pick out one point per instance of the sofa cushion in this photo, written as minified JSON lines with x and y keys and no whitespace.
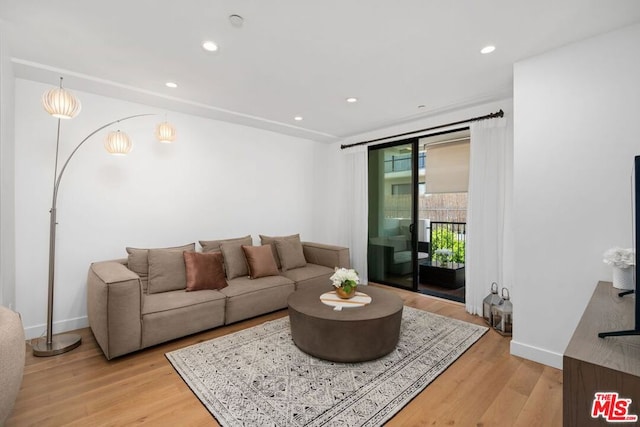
{"x":252,"y":297}
{"x":214,"y":245}
{"x":260,"y":261}
{"x":204,"y":271}
{"x":290,"y":253}
{"x":235,"y":263}
{"x":400,"y":257}
{"x":174,"y":314}
{"x":166,"y":271}
{"x":245,"y":285}
{"x":308,"y":271}
{"x":138,"y":260}
{"x":310,"y":275}
{"x":270,"y":240}
{"x":154,"y":303}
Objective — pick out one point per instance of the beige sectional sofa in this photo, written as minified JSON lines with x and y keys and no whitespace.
{"x":144,"y":300}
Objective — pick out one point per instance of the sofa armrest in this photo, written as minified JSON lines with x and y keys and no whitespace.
{"x":327,"y":255}
{"x":114,"y":307}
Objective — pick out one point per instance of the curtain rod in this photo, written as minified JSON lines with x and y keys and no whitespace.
{"x":473,"y":119}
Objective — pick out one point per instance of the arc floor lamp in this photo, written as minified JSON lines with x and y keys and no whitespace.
{"x":63,"y":104}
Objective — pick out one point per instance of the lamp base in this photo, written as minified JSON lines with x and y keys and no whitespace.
{"x":59,"y":344}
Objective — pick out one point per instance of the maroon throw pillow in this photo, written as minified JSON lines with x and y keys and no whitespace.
{"x":204,"y":271}
{"x":260,"y":261}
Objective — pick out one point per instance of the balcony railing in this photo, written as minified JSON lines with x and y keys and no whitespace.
{"x":403,"y":163}
{"x":448,"y":237}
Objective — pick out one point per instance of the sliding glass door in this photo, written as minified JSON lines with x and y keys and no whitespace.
{"x":392,"y":248}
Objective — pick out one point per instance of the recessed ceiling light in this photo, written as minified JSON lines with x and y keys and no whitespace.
{"x":209,"y":46}
{"x":172,"y":85}
{"x":297,"y":118}
{"x":351,"y":100}
{"x":487,"y":49}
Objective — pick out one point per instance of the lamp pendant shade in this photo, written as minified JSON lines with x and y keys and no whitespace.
{"x":118,"y":143}
{"x":61,"y":103}
{"x":165,"y":132}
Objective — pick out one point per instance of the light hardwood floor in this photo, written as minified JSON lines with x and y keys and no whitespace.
{"x":486,"y":386}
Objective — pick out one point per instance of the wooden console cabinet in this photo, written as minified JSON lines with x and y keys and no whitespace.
{"x":592,"y":364}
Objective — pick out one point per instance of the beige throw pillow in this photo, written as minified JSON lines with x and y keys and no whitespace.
{"x":138,"y":258}
{"x":214,"y":245}
{"x":290,"y":253}
{"x":270,"y":240}
{"x":166,"y":271}
{"x":235,"y":263}
{"x":260,"y":261}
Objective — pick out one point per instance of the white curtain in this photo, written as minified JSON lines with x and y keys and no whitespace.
{"x":489,"y":247}
{"x":357,"y":208}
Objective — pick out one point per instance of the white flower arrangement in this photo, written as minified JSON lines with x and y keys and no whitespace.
{"x":444,"y":254}
{"x":343,"y":277}
{"x":619,"y":257}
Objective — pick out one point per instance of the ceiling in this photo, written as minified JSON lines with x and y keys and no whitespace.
{"x":403,"y":60}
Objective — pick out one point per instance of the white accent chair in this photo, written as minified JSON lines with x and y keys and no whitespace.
{"x":12,"y":354}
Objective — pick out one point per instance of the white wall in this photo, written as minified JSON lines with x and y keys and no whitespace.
{"x":217,"y":180}
{"x":7,"y":215}
{"x":575,"y":136}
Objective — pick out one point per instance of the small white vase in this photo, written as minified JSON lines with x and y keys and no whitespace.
{"x":623,"y":278}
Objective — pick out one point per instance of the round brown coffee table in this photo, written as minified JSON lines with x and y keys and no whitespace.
{"x":355,"y":334}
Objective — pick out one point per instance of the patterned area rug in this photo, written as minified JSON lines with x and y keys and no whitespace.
{"x":258,"y":377}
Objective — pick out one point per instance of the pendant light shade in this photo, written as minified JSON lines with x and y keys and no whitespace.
{"x":165,"y":132}
{"x":61,"y":103}
{"x":117,"y":143}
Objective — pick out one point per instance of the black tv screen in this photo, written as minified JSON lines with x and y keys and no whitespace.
{"x":635,"y":194}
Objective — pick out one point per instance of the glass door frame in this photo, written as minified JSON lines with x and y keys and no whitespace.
{"x":414,"y":210}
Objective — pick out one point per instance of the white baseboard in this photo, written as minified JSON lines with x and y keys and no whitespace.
{"x":58,"y":327}
{"x":536,"y":354}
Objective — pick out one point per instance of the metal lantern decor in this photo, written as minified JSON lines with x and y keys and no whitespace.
{"x":502,"y":314}
{"x":488,"y":303}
